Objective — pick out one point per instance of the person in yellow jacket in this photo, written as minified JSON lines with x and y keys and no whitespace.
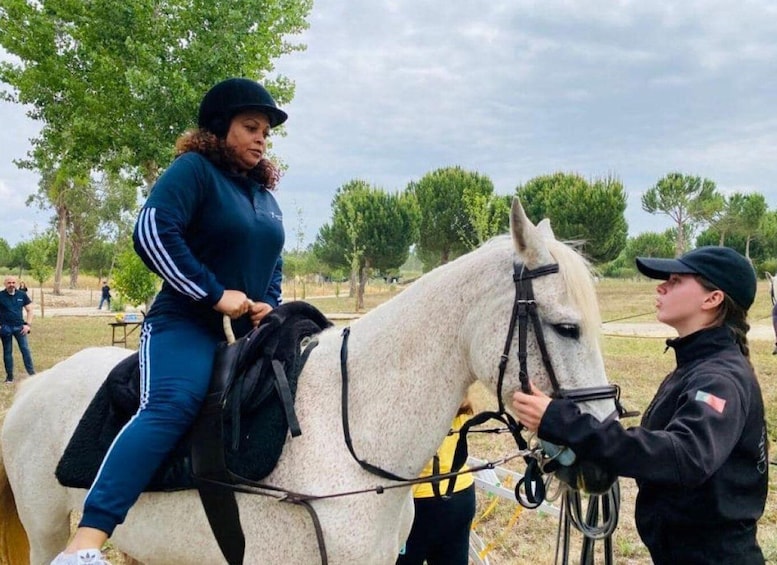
{"x":440,"y":532}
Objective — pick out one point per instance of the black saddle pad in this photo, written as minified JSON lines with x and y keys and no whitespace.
{"x":262,"y":429}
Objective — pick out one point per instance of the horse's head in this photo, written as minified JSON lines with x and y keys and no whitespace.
{"x":550,"y":290}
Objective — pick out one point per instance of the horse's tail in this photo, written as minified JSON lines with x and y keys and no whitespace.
{"x":14,"y":545}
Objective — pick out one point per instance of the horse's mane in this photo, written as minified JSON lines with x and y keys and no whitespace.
{"x":578,"y":277}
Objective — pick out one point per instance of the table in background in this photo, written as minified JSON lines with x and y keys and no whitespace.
{"x":123,"y":333}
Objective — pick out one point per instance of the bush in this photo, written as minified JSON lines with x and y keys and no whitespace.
{"x":132,"y":279}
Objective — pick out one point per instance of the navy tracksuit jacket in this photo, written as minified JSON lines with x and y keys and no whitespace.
{"x":203,"y":230}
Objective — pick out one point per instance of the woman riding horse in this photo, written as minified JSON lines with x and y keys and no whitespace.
{"x":212,"y":230}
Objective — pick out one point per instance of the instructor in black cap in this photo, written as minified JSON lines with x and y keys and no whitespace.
{"x":700,"y":454}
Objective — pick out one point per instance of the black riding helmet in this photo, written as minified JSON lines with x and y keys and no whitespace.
{"x":229,"y":97}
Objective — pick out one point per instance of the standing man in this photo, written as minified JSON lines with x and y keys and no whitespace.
{"x":105,"y":296}
{"x":13,"y":304}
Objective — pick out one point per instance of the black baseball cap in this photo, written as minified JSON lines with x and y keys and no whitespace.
{"x":730,"y":271}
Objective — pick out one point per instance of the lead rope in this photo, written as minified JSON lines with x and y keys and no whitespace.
{"x":589,"y":527}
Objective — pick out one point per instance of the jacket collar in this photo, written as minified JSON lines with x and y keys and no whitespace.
{"x":703,"y":343}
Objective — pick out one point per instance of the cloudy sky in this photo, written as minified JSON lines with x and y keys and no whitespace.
{"x":389,"y":90}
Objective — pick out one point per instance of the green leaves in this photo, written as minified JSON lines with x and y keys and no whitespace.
{"x":132,"y":279}
{"x":116,"y":83}
{"x":371,"y":230}
{"x":689,"y":201}
{"x":591,"y":213}
{"x":456,"y":213}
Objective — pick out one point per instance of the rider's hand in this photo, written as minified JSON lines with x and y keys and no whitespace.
{"x":530,"y":408}
{"x":259,"y":310}
{"x":233,"y":303}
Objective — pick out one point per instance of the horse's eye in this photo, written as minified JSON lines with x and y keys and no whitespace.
{"x":571,"y":331}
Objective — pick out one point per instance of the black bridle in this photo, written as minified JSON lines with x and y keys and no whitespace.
{"x":530,"y":491}
{"x":525,"y":308}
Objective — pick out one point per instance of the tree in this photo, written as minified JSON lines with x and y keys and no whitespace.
{"x":115,"y":83}
{"x":647,"y":244}
{"x":297,"y":265}
{"x":689,"y":201}
{"x":751,"y":211}
{"x":64,"y":190}
{"x":446,"y":214}
{"x":589,"y":212}
{"x":370,"y":230}
{"x":5,"y":253}
{"x":20,"y":257}
{"x":132,"y":279}
{"x":489,"y":214}
{"x":39,"y":251}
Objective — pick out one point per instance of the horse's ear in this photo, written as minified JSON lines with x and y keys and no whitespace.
{"x":529,"y":240}
{"x":545,"y":229}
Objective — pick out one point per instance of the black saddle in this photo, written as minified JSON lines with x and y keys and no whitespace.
{"x":252,"y":389}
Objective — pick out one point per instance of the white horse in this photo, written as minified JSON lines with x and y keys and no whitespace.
{"x":411,"y":361}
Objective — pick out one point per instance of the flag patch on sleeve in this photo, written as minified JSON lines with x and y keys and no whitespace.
{"x":717,"y":404}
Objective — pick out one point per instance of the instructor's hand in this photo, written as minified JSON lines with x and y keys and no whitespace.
{"x":233,"y":303}
{"x":530,"y":408}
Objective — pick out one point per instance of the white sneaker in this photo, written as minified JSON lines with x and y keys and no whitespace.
{"x":81,"y":557}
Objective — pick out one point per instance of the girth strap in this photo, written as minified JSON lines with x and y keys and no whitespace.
{"x":209,"y":461}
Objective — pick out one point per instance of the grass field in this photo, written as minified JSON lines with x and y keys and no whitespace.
{"x":636,"y":364}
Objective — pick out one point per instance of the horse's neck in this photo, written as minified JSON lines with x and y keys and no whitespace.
{"x":409,"y":372}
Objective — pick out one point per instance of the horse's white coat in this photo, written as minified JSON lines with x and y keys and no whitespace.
{"x":410,"y":363}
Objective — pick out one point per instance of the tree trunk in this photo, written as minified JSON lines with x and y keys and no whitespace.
{"x":680,"y":243}
{"x":75,"y":262}
{"x":42,"y":305}
{"x":352,"y":284}
{"x":360,"y":290}
{"x":62,"y":233}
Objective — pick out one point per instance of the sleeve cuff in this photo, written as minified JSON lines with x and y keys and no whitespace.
{"x":214,"y":296}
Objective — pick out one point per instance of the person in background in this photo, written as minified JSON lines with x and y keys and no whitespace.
{"x":14,"y":306}
{"x":22,"y":286}
{"x":105,"y":296}
{"x":440,"y":531}
{"x":213,"y":231}
{"x":700,"y":455}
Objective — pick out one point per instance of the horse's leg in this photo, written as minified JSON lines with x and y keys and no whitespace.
{"x":14,"y":545}
{"x":46,"y":516}
{"x":38,"y":528}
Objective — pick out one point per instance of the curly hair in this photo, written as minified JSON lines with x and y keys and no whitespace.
{"x":215,"y":149}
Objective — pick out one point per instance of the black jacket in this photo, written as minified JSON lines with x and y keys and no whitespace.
{"x":699,"y":457}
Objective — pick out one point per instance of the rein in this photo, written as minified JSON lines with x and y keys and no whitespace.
{"x":530,"y":491}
